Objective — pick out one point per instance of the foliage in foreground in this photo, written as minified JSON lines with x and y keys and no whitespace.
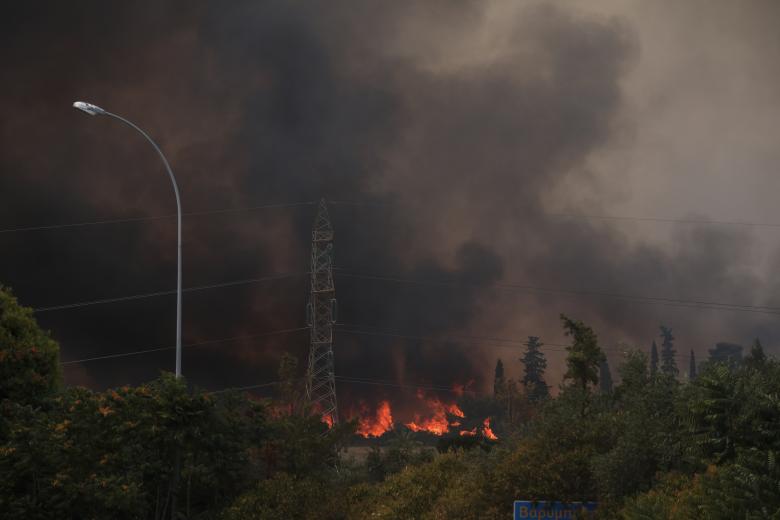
{"x":652,"y":449}
{"x":29,"y":358}
{"x":115,"y":454}
{"x":649,"y":448}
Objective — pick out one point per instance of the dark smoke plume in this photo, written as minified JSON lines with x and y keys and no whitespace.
{"x":447,"y":154}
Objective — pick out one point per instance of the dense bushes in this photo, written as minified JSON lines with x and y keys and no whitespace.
{"x":29,"y":358}
{"x":285,"y":496}
{"x":113,"y":454}
{"x":651,"y":448}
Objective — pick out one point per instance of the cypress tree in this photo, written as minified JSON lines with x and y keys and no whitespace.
{"x":692,"y":367}
{"x":499,"y":383}
{"x":584,"y":354}
{"x":653,"y":360}
{"x":756,"y":358}
{"x":668,"y":363}
{"x":605,"y":377}
{"x":535,"y":365}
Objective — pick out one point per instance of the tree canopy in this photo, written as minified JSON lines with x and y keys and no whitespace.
{"x":668,"y":353}
{"x":584,"y":355}
{"x":535,"y":364}
{"x":704,"y":447}
{"x":29,"y":358}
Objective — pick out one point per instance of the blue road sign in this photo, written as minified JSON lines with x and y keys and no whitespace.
{"x":543,"y":510}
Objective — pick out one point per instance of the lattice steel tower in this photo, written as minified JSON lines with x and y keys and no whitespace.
{"x":321,"y":315}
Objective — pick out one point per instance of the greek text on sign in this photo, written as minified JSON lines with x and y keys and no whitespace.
{"x":542,"y":510}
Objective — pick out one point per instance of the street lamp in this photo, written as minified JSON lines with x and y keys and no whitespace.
{"x":97,"y":111}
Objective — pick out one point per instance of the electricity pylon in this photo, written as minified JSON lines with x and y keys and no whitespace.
{"x":321,"y":315}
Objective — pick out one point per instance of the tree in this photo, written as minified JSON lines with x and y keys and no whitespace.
{"x":29,"y":358}
{"x":290,"y":391}
{"x":692,"y":367}
{"x":585,"y":355}
{"x":285,"y":496}
{"x":605,"y":377}
{"x":499,"y":382}
{"x":535,"y":365}
{"x":653,"y":360}
{"x":83,"y":454}
{"x":446,"y":487}
{"x":726,"y":412}
{"x":668,"y":363}
{"x":513,"y":402}
{"x":633,"y":372}
{"x":756,"y":359}
{"x":643,"y":423}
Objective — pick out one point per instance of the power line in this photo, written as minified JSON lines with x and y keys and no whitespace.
{"x":650,"y":300}
{"x":481,"y":340}
{"x":449,"y":339}
{"x":593,"y":217}
{"x":250,"y":387}
{"x":158,"y":217}
{"x":357,"y":380}
{"x":445,"y":339}
{"x":188,"y":345}
{"x":714,"y":305}
{"x":166,"y":293}
{"x":662,"y":220}
{"x":377,"y":382}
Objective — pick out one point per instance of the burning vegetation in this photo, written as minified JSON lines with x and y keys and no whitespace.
{"x":432,"y":415}
{"x":436,"y":421}
{"x":377,"y":424}
{"x":487,"y":432}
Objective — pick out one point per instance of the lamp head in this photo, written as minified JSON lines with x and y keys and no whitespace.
{"x":89,"y":108}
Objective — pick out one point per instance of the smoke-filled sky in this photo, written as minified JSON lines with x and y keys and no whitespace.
{"x":463,"y":144}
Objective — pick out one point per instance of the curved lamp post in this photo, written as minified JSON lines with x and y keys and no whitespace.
{"x":97,"y":111}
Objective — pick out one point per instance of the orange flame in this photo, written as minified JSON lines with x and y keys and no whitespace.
{"x":437,"y":423}
{"x":440,"y":418}
{"x":434,"y":425}
{"x":454,"y":410}
{"x":487,"y":432}
{"x":316,"y":410}
{"x":379,"y":424}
